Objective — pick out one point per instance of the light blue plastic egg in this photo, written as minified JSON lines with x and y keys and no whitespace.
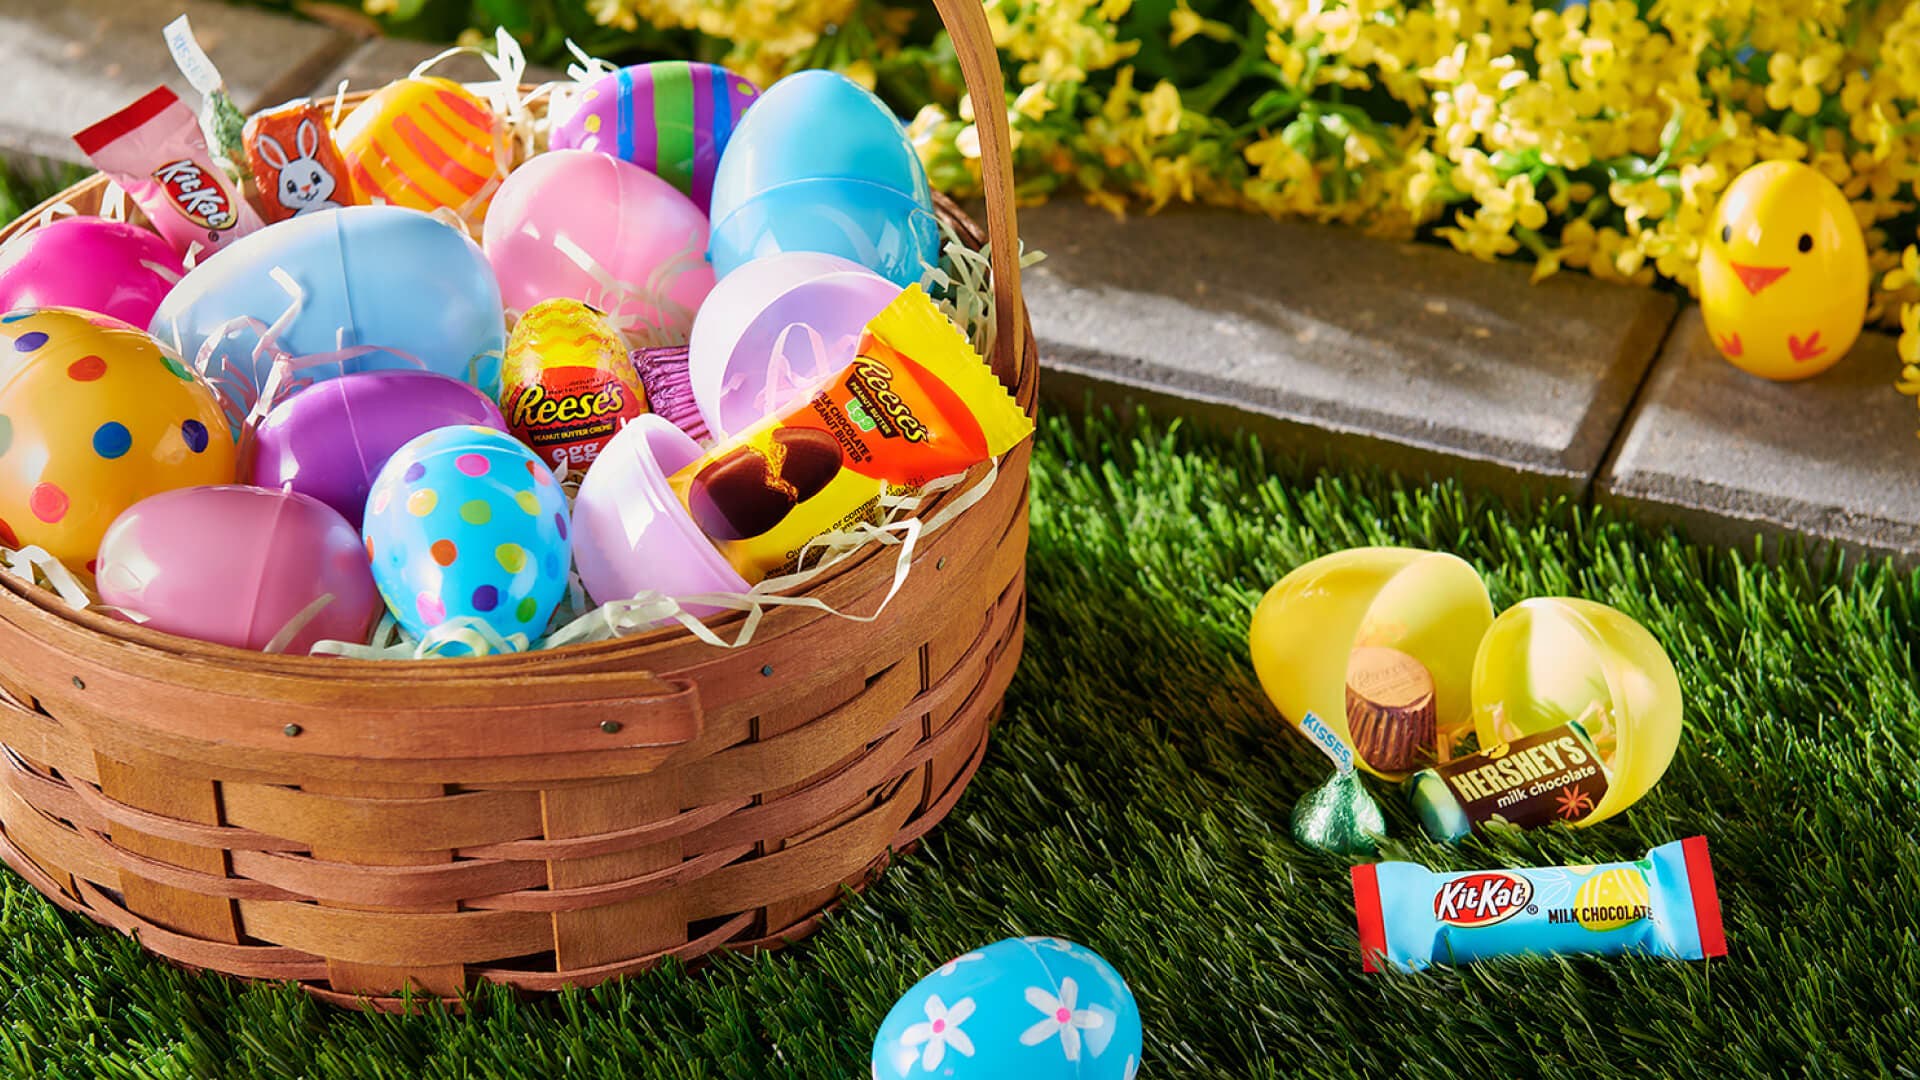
{"x":394,"y":279}
{"x":465,"y":521}
{"x":1036,"y":1008}
{"x":820,"y":164}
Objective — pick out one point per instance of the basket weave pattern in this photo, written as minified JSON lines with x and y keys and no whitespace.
{"x":538,"y":820}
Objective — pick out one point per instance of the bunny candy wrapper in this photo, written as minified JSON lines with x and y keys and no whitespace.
{"x":296,"y":162}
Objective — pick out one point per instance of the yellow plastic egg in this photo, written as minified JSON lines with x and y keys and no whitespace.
{"x":95,"y":416}
{"x":1783,"y":275}
{"x":425,"y":143}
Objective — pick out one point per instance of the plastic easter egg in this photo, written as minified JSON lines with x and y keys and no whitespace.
{"x":1546,"y":661}
{"x":632,"y":535}
{"x":671,"y":118}
{"x":240,"y":566}
{"x":465,"y":523}
{"x":90,"y":263}
{"x":820,"y":164}
{"x":1429,"y":605}
{"x":1783,"y":274}
{"x":648,"y":240}
{"x":95,"y":416}
{"x":773,"y":328}
{"x":425,"y":142}
{"x":1036,"y":1008}
{"x":379,"y":287}
{"x":331,"y":440}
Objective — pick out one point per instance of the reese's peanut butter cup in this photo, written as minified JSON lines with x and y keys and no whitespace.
{"x":568,"y":383}
{"x":1390,"y":708}
{"x":917,"y":403}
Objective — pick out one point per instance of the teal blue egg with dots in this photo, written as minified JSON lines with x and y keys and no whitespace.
{"x":464,"y":524}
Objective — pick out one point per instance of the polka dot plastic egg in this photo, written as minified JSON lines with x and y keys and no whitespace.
{"x":95,"y":416}
{"x":1036,"y":1008}
{"x":465,"y":525}
{"x":424,"y":143}
{"x":672,"y":118}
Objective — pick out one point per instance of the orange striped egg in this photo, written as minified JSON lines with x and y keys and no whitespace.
{"x":425,"y":142}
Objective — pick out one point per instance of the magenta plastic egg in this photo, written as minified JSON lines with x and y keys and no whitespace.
{"x":237,"y":565}
{"x":90,"y":263}
{"x":670,"y":117}
{"x":329,"y":441}
{"x":648,"y":242}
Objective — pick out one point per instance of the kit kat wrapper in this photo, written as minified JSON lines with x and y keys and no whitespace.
{"x":154,"y":148}
{"x":1663,"y":905}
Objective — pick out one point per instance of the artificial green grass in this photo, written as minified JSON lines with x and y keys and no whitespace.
{"x":1135,"y":799}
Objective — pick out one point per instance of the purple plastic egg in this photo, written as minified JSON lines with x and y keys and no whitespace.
{"x":236,"y":565}
{"x":671,"y":118}
{"x":90,"y":263}
{"x":330,"y":440}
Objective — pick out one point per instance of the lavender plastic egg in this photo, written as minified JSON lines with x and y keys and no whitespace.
{"x":236,"y":565}
{"x":671,"y":118}
{"x":107,"y":267}
{"x":329,"y":441}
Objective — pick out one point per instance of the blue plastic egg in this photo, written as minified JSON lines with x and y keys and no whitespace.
{"x":465,"y":521}
{"x":820,"y":164}
{"x":1037,"y":1008}
{"x":385,"y":277}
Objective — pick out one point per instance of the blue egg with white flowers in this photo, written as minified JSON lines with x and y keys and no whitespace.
{"x":1037,"y":1008}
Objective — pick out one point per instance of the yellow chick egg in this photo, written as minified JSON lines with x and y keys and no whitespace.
{"x":1783,"y":277}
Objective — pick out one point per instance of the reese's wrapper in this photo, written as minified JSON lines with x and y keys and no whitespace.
{"x":916,"y":404}
{"x":295,"y":162}
{"x":1662,"y":905}
{"x":567,"y":385}
{"x":1535,"y":780}
{"x":154,"y":149}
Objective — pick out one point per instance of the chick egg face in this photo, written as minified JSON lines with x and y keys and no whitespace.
{"x":1783,"y":274}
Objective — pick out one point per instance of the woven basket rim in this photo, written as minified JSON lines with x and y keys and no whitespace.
{"x":866,"y":564}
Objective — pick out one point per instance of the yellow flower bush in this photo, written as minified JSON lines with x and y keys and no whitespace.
{"x":1592,"y":136}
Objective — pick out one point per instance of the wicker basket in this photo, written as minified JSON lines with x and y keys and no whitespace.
{"x":542,"y":820}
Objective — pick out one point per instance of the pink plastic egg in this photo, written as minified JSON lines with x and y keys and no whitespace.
{"x":90,"y":263}
{"x":236,"y":565}
{"x":568,"y":213}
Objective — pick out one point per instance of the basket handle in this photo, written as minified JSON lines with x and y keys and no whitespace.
{"x":966,"y":23}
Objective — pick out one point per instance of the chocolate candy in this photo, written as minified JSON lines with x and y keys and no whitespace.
{"x":746,"y":492}
{"x":1662,"y":905}
{"x":1390,"y":708}
{"x":812,"y":460}
{"x":1535,"y":780}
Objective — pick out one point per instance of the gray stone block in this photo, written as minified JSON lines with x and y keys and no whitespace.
{"x":72,"y":62}
{"x":1727,"y":456}
{"x":1341,"y":347}
{"x":382,"y":60}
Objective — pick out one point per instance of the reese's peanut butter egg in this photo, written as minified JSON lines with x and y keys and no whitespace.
{"x":95,"y":416}
{"x":569,"y":383}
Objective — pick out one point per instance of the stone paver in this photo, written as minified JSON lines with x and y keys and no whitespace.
{"x":1727,"y":456}
{"x":382,"y":60}
{"x":1329,"y":343}
{"x":69,"y":63}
